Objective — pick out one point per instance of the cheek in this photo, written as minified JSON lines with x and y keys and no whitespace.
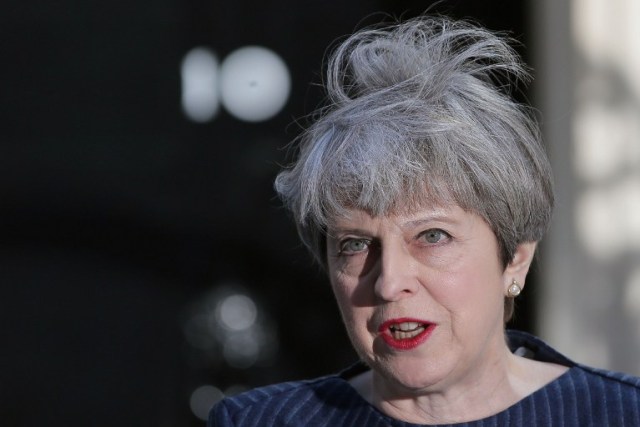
{"x":343,"y":295}
{"x":355,"y":266}
{"x":347,"y":310}
{"x":351,"y":290}
{"x":354,"y":302}
{"x":471,"y":286}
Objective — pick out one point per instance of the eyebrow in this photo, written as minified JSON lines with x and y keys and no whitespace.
{"x":440,"y":215}
{"x":428,"y":219}
{"x":420,"y":220}
{"x":333,"y":232}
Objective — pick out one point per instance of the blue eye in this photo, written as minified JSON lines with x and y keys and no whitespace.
{"x":351,"y":246}
{"x":434,"y":235}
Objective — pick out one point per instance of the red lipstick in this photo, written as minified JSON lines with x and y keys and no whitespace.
{"x":405,"y":333}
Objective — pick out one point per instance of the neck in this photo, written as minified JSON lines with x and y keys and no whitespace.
{"x":473,"y":400}
{"x":481,"y":394}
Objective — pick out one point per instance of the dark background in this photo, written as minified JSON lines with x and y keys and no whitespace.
{"x":121,"y":219}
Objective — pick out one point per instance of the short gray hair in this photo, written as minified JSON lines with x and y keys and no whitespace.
{"x":421,"y":111}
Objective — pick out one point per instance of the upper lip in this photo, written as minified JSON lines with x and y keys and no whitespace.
{"x":406,"y":322}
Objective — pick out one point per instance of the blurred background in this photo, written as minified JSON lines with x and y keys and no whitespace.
{"x":147,"y":268}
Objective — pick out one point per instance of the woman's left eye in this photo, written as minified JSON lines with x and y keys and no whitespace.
{"x":434,"y":235}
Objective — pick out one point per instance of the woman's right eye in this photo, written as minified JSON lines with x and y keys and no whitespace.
{"x":353,"y":246}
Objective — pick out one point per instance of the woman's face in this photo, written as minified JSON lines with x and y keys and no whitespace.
{"x":422,"y":294}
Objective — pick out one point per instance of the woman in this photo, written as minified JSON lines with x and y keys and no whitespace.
{"x":423,"y":190}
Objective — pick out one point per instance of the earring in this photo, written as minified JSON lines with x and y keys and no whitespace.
{"x":514,"y":290}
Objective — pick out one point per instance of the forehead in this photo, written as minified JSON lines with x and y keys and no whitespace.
{"x":405,"y":218}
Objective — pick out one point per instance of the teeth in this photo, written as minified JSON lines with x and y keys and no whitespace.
{"x":406,"y":330}
{"x":405,"y":326}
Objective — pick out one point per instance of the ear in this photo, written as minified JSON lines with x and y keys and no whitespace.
{"x":518,"y":268}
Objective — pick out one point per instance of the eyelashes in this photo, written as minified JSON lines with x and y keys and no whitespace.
{"x":357,"y":245}
{"x":351,"y":246}
{"x":434,"y":236}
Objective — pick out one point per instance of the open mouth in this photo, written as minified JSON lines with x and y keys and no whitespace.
{"x":406,"y":330}
{"x":405,"y":334}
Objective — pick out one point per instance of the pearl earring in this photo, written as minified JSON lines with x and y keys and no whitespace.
{"x":514,"y":290}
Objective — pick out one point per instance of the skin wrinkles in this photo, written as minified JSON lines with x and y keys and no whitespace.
{"x":412,"y":230}
{"x":455,"y":281}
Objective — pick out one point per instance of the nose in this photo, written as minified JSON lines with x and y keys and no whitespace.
{"x":397,"y":275}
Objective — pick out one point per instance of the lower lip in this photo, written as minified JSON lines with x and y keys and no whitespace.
{"x":408,"y":343}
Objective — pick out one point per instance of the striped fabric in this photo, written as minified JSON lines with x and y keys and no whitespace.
{"x":583,"y":396}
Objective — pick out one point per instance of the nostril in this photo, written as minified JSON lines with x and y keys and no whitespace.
{"x":394,"y":288}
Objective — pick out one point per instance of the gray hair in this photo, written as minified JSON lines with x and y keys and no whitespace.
{"x":421,"y":111}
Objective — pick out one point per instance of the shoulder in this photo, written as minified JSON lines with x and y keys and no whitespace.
{"x":601,"y":380}
{"x":598,"y":397}
{"x":533,"y":347}
{"x":286,"y":403}
{"x":586,"y":395}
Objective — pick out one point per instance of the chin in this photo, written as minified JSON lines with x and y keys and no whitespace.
{"x":411,"y":381}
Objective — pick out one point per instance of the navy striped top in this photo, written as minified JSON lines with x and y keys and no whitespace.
{"x":582,"y":396}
